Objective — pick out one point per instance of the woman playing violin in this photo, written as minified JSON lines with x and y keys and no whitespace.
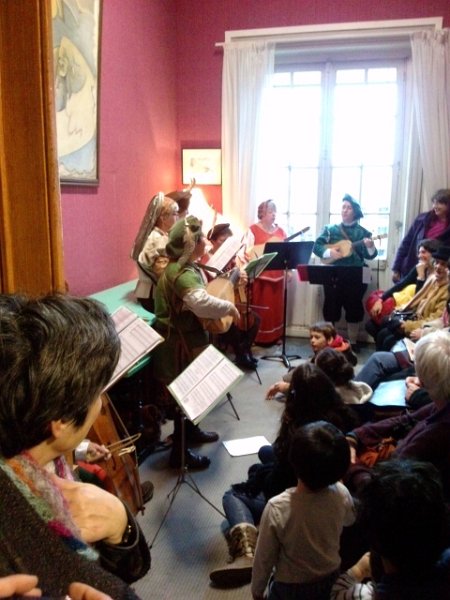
{"x":268,"y":288}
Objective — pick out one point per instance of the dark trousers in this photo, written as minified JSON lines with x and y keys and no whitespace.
{"x":344,"y":296}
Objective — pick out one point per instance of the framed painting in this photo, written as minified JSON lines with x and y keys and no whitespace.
{"x":76,"y":53}
{"x":205,"y":166}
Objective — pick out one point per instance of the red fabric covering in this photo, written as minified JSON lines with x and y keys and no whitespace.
{"x":268,"y":291}
{"x":387,"y":308}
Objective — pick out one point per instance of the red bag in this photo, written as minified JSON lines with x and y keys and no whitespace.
{"x":386,"y":310}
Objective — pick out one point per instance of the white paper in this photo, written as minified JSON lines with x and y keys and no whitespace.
{"x":244,"y":446}
{"x":137,"y":339}
{"x":225,"y":253}
{"x":204,"y":382}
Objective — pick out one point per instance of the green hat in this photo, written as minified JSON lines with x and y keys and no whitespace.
{"x":183,"y":237}
{"x":357,"y":212}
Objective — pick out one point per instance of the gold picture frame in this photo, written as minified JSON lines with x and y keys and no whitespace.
{"x":76,"y":54}
{"x":203,"y":165}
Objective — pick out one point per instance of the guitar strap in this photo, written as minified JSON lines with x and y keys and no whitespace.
{"x":344,"y":233}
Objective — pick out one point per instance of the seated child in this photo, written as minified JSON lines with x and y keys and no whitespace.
{"x":403,"y":511}
{"x":341,"y":372}
{"x":300,"y":528}
{"x":321,"y":335}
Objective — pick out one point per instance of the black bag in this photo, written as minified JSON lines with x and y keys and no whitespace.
{"x":403,"y":315}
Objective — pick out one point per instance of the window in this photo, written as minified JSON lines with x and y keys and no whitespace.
{"x":331,"y":129}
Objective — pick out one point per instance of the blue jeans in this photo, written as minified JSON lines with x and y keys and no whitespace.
{"x":240,"y":508}
{"x":379,"y":366}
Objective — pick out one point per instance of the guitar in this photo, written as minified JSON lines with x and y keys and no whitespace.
{"x":346,"y":247}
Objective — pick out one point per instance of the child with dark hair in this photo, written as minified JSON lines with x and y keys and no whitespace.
{"x":300,"y":528}
{"x":321,"y":335}
{"x":341,"y":372}
{"x":404,"y":514}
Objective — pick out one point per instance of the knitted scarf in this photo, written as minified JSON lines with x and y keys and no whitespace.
{"x":36,"y":485}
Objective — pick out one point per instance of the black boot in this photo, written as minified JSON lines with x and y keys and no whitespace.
{"x":195,"y":435}
{"x":245,"y":361}
{"x":191,"y":460}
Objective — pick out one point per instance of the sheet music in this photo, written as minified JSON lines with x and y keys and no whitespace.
{"x":225,"y":253}
{"x":255,"y":267}
{"x":137,"y":339}
{"x":204,"y":382}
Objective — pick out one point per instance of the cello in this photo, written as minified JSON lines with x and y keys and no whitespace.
{"x":122,"y":468}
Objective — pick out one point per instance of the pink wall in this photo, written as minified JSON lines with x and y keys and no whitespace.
{"x":138,"y":144}
{"x":160,"y":91}
{"x":199,"y":68}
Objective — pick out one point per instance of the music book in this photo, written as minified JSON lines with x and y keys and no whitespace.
{"x":204,"y":383}
{"x":225,"y":253}
{"x":255,"y":267}
{"x":137,"y":339}
{"x":390,"y":393}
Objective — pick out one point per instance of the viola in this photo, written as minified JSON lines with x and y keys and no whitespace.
{"x":122,"y":468}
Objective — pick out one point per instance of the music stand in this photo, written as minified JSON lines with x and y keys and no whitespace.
{"x":197,"y":390}
{"x":331,"y":275}
{"x":289,"y":256}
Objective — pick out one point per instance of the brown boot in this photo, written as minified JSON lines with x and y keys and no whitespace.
{"x":241,"y":541}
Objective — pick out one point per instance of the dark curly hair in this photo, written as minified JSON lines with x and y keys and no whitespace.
{"x":311,"y":397}
{"x":335,"y":365}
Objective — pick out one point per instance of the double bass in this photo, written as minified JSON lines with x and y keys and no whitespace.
{"x":122,"y":468}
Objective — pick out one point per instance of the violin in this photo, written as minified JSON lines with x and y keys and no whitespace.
{"x":122,"y":468}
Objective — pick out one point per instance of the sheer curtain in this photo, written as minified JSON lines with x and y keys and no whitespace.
{"x":431,"y":92}
{"x":247,"y":69}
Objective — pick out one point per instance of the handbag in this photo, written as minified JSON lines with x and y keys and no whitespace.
{"x":383,"y":450}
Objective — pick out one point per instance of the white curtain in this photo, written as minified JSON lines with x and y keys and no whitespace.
{"x":431,"y":92}
{"x":247,"y":68}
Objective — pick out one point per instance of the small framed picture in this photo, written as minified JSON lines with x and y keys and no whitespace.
{"x":205,"y":166}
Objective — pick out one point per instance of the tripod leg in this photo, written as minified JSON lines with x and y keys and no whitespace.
{"x":229,"y":398}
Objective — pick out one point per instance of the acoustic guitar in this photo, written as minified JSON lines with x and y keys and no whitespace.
{"x":346,"y":248}
{"x":222,"y":287}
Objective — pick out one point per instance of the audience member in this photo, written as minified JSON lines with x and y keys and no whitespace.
{"x":57,"y":354}
{"x":380,"y":305}
{"x":433,"y":224}
{"x":300,"y":528}
{"x":311,"y":397}
{"x":428,"y":304}
{"x":321,"y":335}
{"x":421,"y":435}
{"x":403,"y":512}
{"x":341,"y":372}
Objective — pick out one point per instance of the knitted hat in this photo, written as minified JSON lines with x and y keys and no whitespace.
{"x":357,"y":212}
{"x":217,"y":230}
{"x":183,"y":237}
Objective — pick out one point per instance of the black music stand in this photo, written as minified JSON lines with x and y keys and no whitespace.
{"x":331,"y":275}
{"x":184,"y":477}
{"x":289,"y":256}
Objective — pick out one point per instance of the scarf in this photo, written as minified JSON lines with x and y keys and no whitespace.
{"x":36,"y":485}
{"x":427,"y":293}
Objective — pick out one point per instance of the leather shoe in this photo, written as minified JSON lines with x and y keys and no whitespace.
{"x":191,"y":460}
{"x":147,"y":488}
{"x":198,"y":436}
{"x":245,"y":362}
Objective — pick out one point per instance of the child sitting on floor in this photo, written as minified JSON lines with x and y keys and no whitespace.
{"x":300,"y":528}
{"x":321,"y":335}
{"x":341,"y":372}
